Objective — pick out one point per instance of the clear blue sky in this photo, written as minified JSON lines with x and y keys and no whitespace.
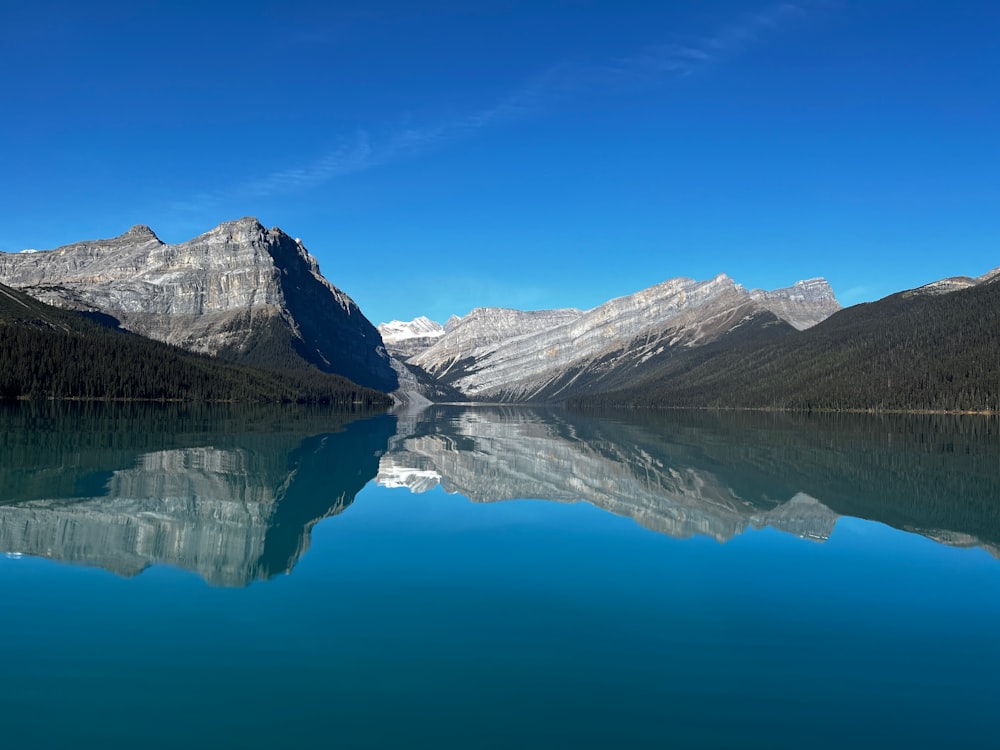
{"x":438,"y":156}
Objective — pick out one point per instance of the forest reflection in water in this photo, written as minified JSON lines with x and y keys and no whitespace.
{"x":233,"y":493}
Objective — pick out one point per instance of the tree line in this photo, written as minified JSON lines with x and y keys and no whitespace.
{"x":911,"y":351}
{"x":46,"y":353}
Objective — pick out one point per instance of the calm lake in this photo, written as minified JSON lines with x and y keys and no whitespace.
{"x":496,"y":577}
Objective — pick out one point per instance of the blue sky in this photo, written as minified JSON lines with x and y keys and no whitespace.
{"x":439,"y":156}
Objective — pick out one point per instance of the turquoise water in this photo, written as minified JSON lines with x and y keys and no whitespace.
{"x":269,"y":579}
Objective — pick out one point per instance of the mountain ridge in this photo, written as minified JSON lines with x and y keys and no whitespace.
{"x":256,"y":296}
{"x":510,"y":355}
{"x":934,"y":348}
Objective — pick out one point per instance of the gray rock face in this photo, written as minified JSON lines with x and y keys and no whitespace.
{"x":802,"y":305}
{"x":240,"y":291}
{"x":955,"y":283}
{"x":509,"y":355}
{"x":481,"y":340}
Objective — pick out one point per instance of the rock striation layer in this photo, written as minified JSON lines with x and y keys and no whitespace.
{"x":802,"y":305}
{"x":240,"y":291}
{"x":510,"y":355}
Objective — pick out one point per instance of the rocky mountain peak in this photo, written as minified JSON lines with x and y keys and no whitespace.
{"x":240,"y":291}
{"x":247,"y":229}
{"x":140,"y":232}
{"x":247,"y":222}
{"x":802,"y":305}
{"x":399,"y":330}
{"x":405,"y":339}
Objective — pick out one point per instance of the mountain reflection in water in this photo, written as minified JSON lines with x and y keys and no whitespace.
{"x":232,"y":494}
{"x":686,"y":473}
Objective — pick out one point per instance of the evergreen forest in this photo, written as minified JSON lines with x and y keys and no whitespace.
{"x":48,"y":353}
{"x":912,"y":351}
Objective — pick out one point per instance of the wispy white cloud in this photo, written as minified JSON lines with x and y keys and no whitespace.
{"x":735,"y":38}
{"x":562,"y":82}
{"x":683,"y":57}
{"x":353,"y":156}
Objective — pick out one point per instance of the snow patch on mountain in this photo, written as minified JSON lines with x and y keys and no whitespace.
{"x":399,"y":330}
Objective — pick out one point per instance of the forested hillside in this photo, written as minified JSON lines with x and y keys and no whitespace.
{"x":910,"y":351}
{"x":50,"y":353}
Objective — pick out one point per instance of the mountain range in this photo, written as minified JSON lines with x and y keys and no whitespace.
{"x":935,"y":348}
{"x":255,"y":297}
{"x":497,"y":354}
{"x":685,"y":343}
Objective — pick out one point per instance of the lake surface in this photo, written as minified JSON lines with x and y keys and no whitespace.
{"x":496,"y":577}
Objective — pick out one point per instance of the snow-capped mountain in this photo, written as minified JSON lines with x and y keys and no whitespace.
{"x":405,"y":339}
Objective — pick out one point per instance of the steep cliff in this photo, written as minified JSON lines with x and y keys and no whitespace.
{"x":240,"y":291}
